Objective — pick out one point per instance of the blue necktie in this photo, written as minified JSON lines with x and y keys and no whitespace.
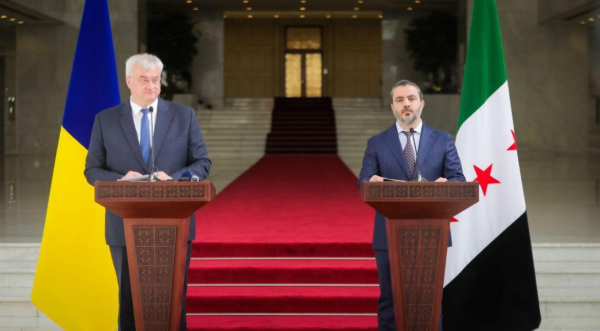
{"x":145,"y":137}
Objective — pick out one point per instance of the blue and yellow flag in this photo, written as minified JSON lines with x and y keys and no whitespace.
{"x":75,"y":283}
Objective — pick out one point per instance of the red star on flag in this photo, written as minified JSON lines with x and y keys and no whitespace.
{"x":484,"y":177}
{"x":453,"y":219}
{"x":513,"y":147}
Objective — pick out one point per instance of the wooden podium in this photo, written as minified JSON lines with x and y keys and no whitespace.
{"x":156,"y":217}
{"x":418,"y":224}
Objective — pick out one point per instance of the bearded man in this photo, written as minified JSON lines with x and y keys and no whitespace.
{"x":393,"y":154}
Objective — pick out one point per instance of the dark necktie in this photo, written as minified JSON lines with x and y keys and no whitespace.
{"x":409,"y":154}
{"x":145,"y":137}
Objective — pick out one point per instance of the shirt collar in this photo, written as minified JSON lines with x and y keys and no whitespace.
{"x":417,"y":129}
{"x":136,"y":109}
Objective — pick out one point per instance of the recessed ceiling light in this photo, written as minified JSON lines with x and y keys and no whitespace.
{"x":249,"y":16}
{"x":3,"y":16}
{"x":356,"y":8}
{"x":188,"y":1}
{"x":195,"y":8}
{"x":276,"y":16}
{"x":354,"y":16}
{"x":409,"y":8}
{"x":360,"y":1}
{"x":13,"y":19}
{"x":417,"y":1}
{"x":20,"y":22}
{"x":328,"y":16}
{"x":380,"y":16}
{"x":582,"y":22}
{"x":302,"y":16}
{"x":224,"y":16}
{"x":591,"y":19}
{"x":249,"y":8}
{"x":246,"y":1}
{"x":302,"y":1}
{"x":302,"y":8}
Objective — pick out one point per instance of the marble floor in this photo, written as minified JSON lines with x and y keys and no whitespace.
{"x":562,"y":194}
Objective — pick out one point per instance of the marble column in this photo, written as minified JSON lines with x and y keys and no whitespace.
{"x":207,"y":68}
{"x":45,"y":55}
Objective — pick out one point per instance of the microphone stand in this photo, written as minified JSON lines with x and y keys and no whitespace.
{"x":419,"y":178}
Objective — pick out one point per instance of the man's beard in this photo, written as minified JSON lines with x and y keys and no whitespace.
{"x":410,"y":119}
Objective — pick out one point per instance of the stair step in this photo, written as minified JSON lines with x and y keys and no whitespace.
{"x":282,"y":323}
{"x":282,"y":272}
{"x":282,"y":299}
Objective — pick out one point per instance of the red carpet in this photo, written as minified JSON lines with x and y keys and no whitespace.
{"x":287,"y":206}
{"x":305,"y":209}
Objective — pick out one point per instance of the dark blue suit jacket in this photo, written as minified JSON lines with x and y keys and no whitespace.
{"x":114,"y":150}
{"x":384,"y":157}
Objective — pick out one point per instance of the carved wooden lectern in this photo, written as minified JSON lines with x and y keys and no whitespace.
{"x":418,"y":224}
{"x":156,"y":217}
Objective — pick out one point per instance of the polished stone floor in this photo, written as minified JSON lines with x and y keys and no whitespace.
{"x":562,"y":194}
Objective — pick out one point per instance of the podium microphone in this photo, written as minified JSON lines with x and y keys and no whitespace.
{"x":152,"y":175}
{"x":419,"y":178}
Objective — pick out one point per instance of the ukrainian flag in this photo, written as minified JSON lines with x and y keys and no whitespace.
{"x":75,"y":283}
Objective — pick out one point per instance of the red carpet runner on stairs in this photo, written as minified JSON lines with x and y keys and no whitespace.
{"x":265,"y":251}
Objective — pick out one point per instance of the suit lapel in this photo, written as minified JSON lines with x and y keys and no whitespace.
{"x":392,"y":141}
{"x":126,"y":122}
{"x":162,"y":125}
{"x":425,"y":143}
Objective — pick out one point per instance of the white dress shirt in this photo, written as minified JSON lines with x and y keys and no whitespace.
{"x":417,"y":135}
{"x":137,"y":117}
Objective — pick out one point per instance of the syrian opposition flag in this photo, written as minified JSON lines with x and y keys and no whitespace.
{"x":490,"y":278}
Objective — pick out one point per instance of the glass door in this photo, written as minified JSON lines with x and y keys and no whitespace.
{"x":303,"y":62}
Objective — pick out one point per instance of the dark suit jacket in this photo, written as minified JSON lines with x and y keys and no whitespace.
{"x":384,"y":157}
{"x":114,"y":150}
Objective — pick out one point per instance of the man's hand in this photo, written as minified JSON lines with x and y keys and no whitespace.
{"x":376,"y":178}
{"x":441,"y":180}
{"x":162,"y":176}
{"x":131,"y":174}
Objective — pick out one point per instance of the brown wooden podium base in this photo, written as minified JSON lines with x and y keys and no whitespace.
{"x":156,"y":250}
{"x":418,"y":248}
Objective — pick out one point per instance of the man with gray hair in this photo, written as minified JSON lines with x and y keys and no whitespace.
{"x":393,"y":154}
{"x":120,"y":149}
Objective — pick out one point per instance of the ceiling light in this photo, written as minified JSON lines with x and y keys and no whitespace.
{"x":417,"y":1}
{"x":276,"y":16}
{"x":249,"y":16}
{"x":195,"y":8}
{"x":582,"y":22}
{"x":591,"y":19}
{"x":249,"y":8}
{"x":354,"y":16}
{"x":224,"y":16}
{"x":188,"y":1}
{"x":302,"y":8}
{"x":20,"y":22}
{"x":409,"y":8}
{"x":356,"y":8}
{"x":246,"y":1}
{"x":13,"y":19}
{"x":360,"y":1}
{"x":328,"y":16}
{"x":3,"y":16}
{"x":302,"y":1}
{"x":380,"y":16}
{"x":302,"y":16}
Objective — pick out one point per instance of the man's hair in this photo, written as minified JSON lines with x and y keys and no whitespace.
{"x":147,"y":61}
{"x":405,"y":82}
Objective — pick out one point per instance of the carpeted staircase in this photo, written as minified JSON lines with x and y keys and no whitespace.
{"x":302,"y":126}
{"x":285,"y":247}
